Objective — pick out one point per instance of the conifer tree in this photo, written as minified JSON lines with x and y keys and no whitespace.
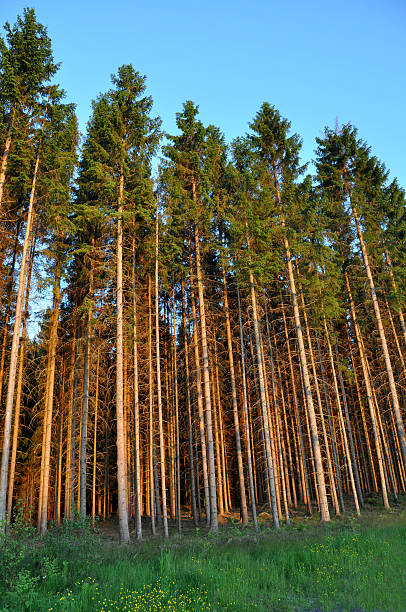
{"x":26,"y":68}
{"x":121,"y":140}
{"x":353,"y":179}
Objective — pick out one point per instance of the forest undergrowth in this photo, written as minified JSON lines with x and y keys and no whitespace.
{"x":350,"y":564}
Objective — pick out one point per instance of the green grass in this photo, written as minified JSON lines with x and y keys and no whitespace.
{"x":351,"y":564}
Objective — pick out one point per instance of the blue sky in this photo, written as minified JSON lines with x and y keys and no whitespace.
{"x":315,"y":61}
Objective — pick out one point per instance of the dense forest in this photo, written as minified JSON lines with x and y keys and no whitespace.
{"x":223,"y":331}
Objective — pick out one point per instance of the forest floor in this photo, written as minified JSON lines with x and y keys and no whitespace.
{"x":352,"y":564}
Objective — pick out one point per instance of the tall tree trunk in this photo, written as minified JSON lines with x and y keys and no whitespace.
{"x":340,"y":414}
{"x":8,"y":310}
{"x":388,"y":364}
{"x":206,"y":388}
{"x":332,"y":433}
{"x":4,"y":157}
{"x":19,"y":390}
{"x":368,"y":388}
{"x":53,"y":339}
{"x":85,"y":398}
{"x":243,"y":498}
{"x":264,"y":408}
{"x":137,"y":491}
{"x":301,"y":454}
{"x":96,"y":414}
{"x":14,"y":350}
{"x":246,"y":416}
{"x":200,"y":406}
{"x":158,"y":384}
{"x":75,"y":406}
{"x":121,"y":462}
{"x":321,"y":485}
{"x":177,"y":456}
{"x":350,"y":436}
{"x":189,"y":416}
{"x":58,"y":476}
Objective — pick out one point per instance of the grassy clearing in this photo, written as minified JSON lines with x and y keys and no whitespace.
{"x":352,"y":564}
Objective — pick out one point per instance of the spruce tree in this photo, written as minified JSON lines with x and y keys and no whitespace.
{"x":122,"y":137}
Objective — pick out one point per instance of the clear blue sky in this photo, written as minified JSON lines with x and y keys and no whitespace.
{"x":315,"y":60}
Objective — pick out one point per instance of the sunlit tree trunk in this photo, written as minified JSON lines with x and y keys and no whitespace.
{"x":137,"y":492}
{"x":264,"y":408}
{"x":159,"y":388}
{"x":96,"y":414}
{"x":53,"y":339}
{"x":246,"y":417}
{"x":19,"y":392}
{"x":4,"y":158}
{"x":85,"y":399}
{"x":200,"y":406}
{"x":15,"y":348}
{"x":189,"y":415}
{"x":382,"y":336}
{"x":368,"y":388}
{"x":151,"y":413}
{"x":206,"y":388}
{"x":243,"y":499}
{"x":321,"y":485}
{"x":121,"y":462}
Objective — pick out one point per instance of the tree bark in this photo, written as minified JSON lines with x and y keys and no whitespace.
{"x":19,"y":391}
{"x":85,"y":399}
{"x":14,"y":350}
{"x":382,"y":336}
{"x":53,"y":340}
{"x":264,"y":408}
{"x":243,"y":498}
{"x":158,"y":384}
{"x":137,"y":491}
{"x":321,"y":485}
{"x":189,"y":416}
{"x":206,"y":388}
{"x":121,"y":462}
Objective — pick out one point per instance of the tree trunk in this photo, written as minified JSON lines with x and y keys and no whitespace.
{"x":321,"y":485}
{"x":137,"y":491}
{"x":246,"y":417}
{"x":206,"y":388}
{"x":301,"y":454}
{"x":177,"y":456}
{"x":96,"y":411}
{"x":332,"y":434}
{"x":4,"y":158}
{"x":350,"y":436}
{"x":85,"y":398}
{"x":388,"y":364}
{"x":8,"y":310}
{"x":14,"y":351}
{"x":200,"y":405}
{"x":19,"y":391}
{"x":151,"y":413}
{"x":158,"y":384}
{"x":53,"y":339}
{"x":368,"y":392}
{"x":121,"y":462}
{"x":264,"y":408}
{"x":243,"y":499}
{"x":189,"y":416}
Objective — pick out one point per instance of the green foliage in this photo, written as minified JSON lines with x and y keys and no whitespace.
{"x":347,"y":565}
{"x":30,"y":565}
{"x":26,"y":61}
{"x":72,"y":540}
